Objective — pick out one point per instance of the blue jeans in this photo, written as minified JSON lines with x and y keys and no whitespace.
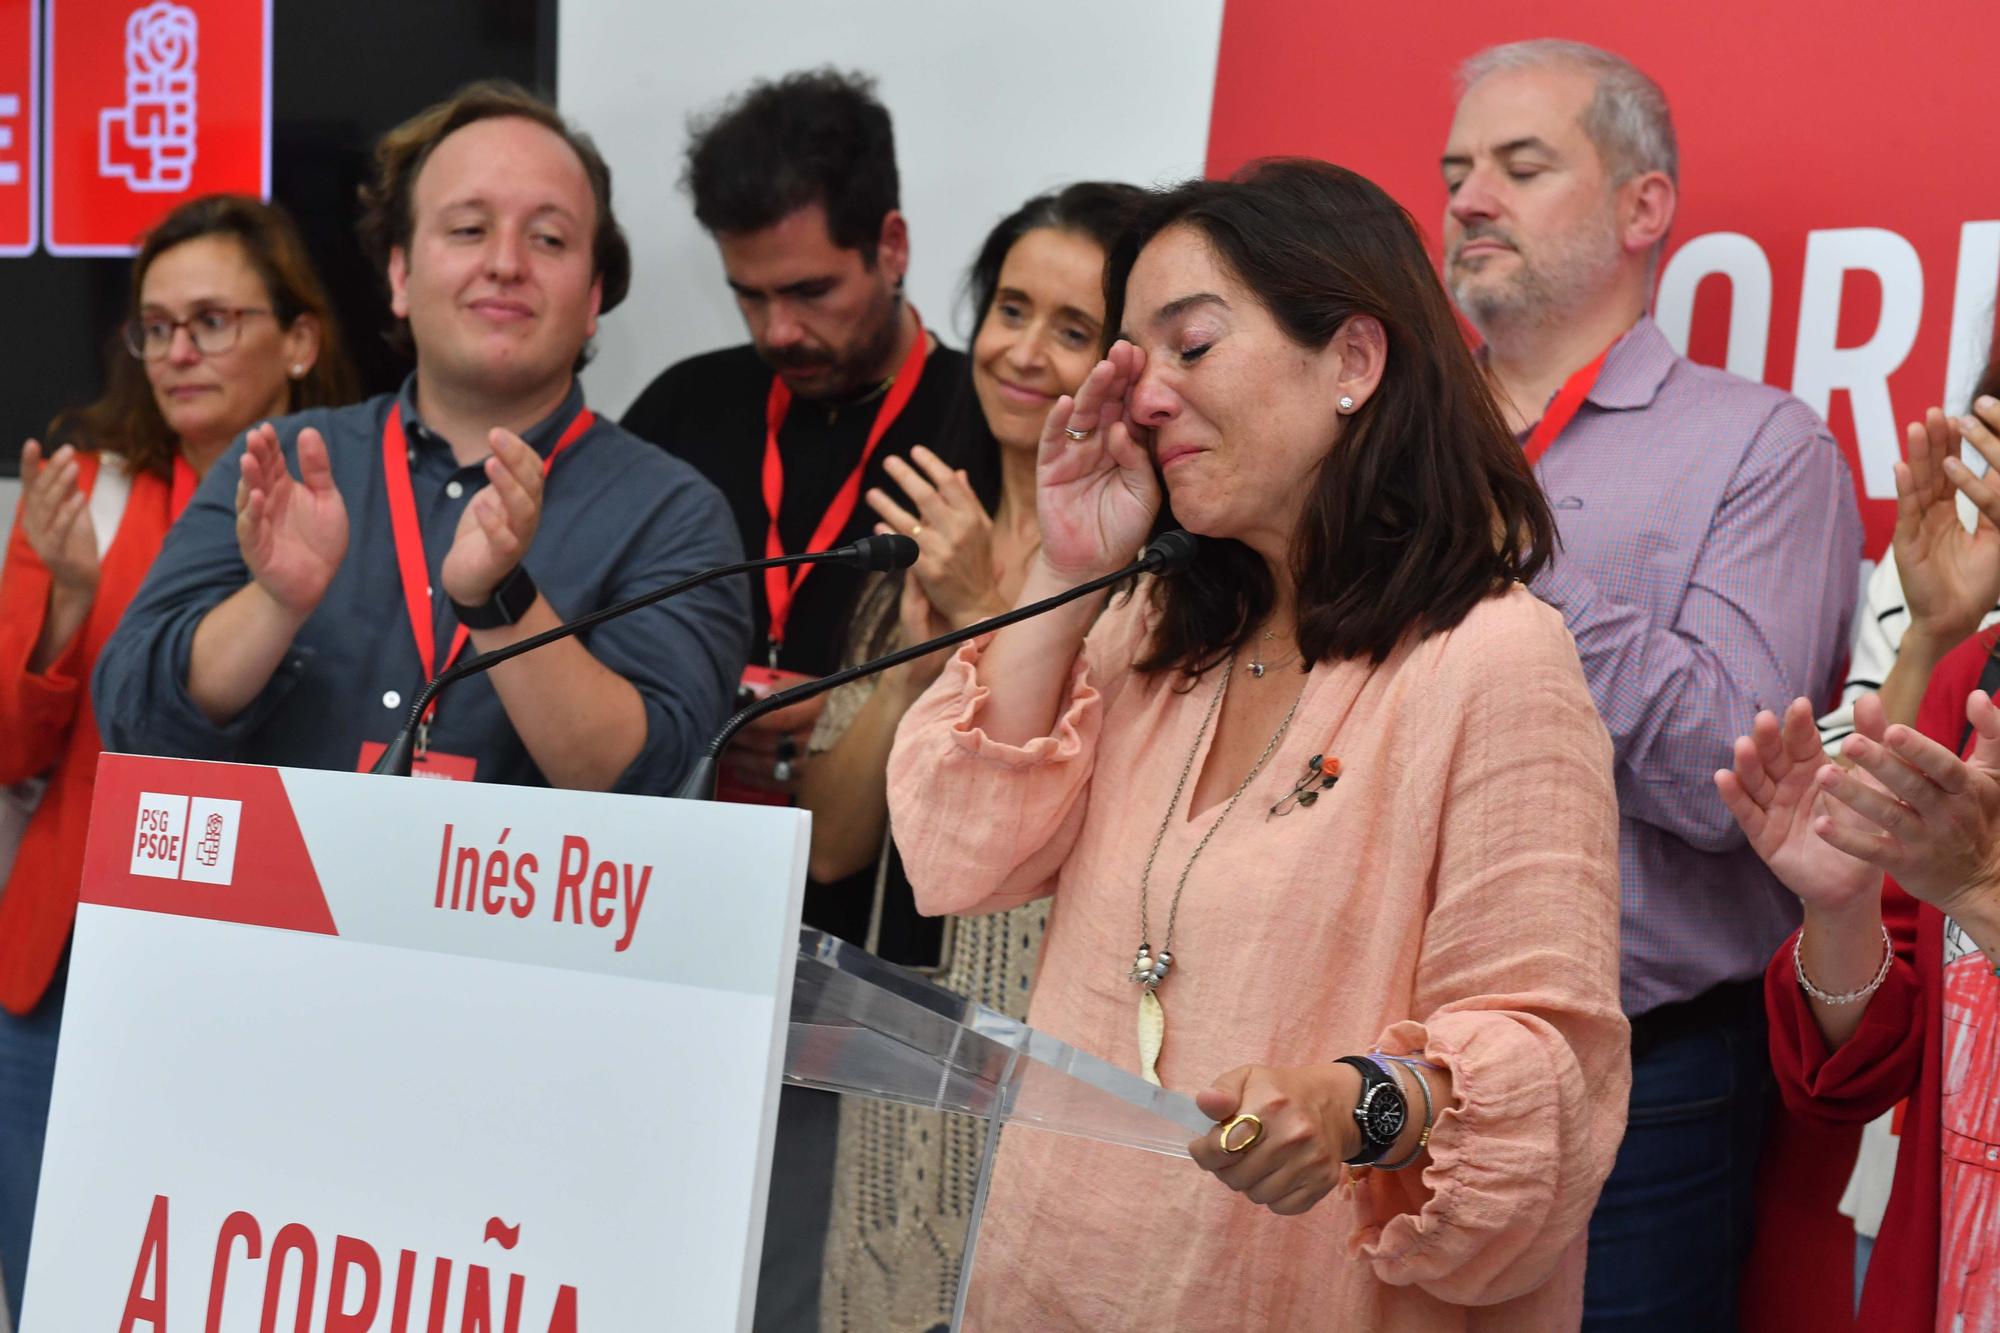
{"x":1672,"y":1228}
{"x":27,"y":1073}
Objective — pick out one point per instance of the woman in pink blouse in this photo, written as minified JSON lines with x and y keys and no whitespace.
{"x":1327,"y":816}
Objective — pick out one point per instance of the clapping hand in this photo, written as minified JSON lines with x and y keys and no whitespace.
{"x":1097,"y":495}
{"x":292,"y":531}
{"x":1926,"y":817}
{"x":953,"y":534}
{"x":1776,"y":796}
{"x":1950,"y":577}
{"x":496,"y":528}
{"x":55,"y":518}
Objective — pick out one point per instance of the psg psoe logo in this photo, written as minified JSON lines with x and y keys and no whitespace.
{"x":177,"y":837}
{"x":149,"y":142}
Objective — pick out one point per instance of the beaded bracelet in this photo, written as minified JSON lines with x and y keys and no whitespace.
{"x":1849,"y":997}
{"x":1416,"y":1068}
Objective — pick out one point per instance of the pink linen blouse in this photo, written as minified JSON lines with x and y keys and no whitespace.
{"x":1455,"y":896}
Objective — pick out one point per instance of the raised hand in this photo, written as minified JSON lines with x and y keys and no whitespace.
{"x":496,"y":528}
{"x":1097,"y":496}
{"x":1950,"y":577}
{"x":1929,"y":818}
{"x":55,"y":518}
{"x":1773,"y":792}
{"x":953,"y":533}
{"x":293,"y":532}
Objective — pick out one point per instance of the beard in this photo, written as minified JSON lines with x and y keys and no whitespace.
{"x":859,"y":367}
{"x":1550,"y":279}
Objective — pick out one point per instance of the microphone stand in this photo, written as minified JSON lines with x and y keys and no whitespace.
{"x":1170,"y":550}
{"x":396,"y":759}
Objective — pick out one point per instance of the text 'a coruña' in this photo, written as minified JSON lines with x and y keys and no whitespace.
{"x":361,"y":1294}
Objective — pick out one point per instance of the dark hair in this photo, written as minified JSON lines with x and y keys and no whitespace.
{"x":387,"y":219}
{"x":1402,"y":530}
{"x":814,"y":137}
{"x":126,"y":419}
{"x":1099,"y":210}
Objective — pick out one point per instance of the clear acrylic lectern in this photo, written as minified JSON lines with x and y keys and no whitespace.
{"x":865,"y":1028}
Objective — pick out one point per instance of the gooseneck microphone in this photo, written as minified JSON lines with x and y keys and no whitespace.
{"x":879,"y":551}
{"x":1165,"y":553}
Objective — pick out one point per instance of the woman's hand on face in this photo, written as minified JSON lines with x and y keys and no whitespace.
{"x":1097,"y":496}
{"x":55,"y":518}
{"x":952,"y":532}
{"x":1308,"y":1131}
{"x":1927,"y":817}
{"x":292,"y":532}
{"x":1773,"y":792}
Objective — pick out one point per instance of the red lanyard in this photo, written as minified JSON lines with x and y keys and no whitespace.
{"x":781,"y":586}
{"x":409,"y":534}
{"x":1563,"y":408}
{"x":184,"y":483}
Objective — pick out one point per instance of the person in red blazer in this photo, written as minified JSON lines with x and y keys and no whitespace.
{"x":1905,"y":994}
{"x":230,"y":325}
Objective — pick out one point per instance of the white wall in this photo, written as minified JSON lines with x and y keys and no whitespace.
{"x":992,"y":103}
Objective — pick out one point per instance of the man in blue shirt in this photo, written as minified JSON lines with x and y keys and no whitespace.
{"x":335,"y":559}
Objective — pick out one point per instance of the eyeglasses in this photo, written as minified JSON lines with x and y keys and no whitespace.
{"x":213,"y":330}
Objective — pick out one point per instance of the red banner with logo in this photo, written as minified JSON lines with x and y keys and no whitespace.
{"x":149,"y":104}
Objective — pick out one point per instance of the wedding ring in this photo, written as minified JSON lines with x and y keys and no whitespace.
{"x":1076,"y":434}
{"x":1256,"y":1133}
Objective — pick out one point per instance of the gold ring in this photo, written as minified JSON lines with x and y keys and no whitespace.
{"x":916,"y":530}
{"x":1076,"y":434}
{"x":1256,"y":1133}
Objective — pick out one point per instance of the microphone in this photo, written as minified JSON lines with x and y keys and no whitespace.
{"x":1166,"y":553}
{"x":877,"y":552}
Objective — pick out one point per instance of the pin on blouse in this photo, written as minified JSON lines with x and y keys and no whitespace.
{"x":1322,"y":771}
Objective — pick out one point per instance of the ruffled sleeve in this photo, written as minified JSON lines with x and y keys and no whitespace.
{"x":1517,"y":984}
{"x":985,"y":826}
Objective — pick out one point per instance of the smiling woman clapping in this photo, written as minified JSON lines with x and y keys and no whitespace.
{"x":229,"y":326}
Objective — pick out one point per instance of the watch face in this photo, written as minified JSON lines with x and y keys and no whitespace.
{"x":1384,"y":1115}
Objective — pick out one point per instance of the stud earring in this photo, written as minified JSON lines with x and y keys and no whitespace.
{"x":1346,"y":403}
{"x":298,"y":370}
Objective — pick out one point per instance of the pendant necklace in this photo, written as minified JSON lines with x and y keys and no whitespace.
{"x":1149,"y":970}
{"x":1258,"y":666}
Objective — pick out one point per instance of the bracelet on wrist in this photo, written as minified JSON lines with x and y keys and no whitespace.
{"x":1846,"y":997}
{"x":1416,"y":1068}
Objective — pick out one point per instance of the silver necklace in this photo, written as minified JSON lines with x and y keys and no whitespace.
{"x":1150,"y":970}
{"x":1258,"y":666}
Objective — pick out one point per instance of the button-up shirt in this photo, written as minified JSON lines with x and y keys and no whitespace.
{"x":1711,"y":547}
{"x":618,"y":518}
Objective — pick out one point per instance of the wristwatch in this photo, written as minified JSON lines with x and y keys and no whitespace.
{"x":509,"y":601}
{"x":1382,"y":1111}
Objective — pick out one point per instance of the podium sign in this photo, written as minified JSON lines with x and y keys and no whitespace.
{"x":354,"y":1053}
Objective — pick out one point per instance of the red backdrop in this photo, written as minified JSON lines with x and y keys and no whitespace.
{"x":1793,"y":117}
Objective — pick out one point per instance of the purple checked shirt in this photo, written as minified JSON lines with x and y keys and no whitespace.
{"x":1711,"y":547}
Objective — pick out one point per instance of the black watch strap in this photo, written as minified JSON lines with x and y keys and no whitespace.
{"x":1382,"y":1111}
{"x":510,"y":601}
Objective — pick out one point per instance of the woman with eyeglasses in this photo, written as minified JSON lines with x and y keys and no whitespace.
{"x":230,"y":325}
